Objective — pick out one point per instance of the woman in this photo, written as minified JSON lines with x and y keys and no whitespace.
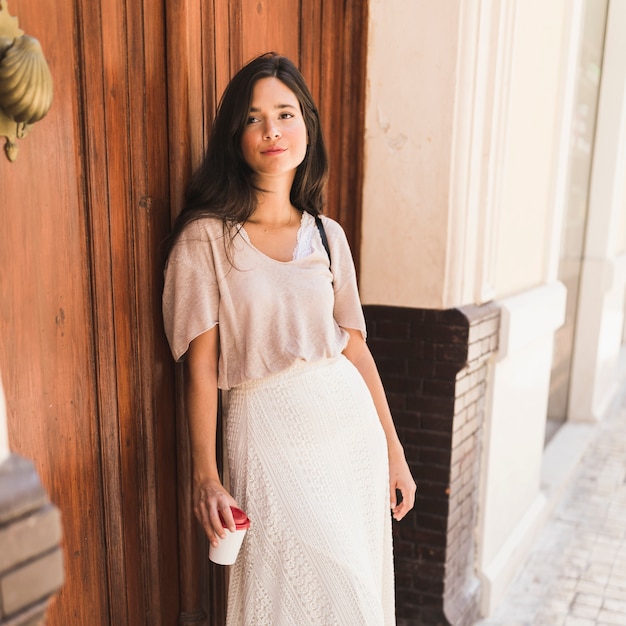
{"x":256,"y":305}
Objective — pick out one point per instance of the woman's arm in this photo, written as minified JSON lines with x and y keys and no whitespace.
{"x":209,"y":496}
{"x":400,"y":477}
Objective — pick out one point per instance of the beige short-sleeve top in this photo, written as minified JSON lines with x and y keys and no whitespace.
{"x":270,"y":313}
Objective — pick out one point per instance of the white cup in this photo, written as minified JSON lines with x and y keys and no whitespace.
{"x":227,"y":549}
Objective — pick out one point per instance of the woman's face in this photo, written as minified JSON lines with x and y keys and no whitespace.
{"x":274,"y":140}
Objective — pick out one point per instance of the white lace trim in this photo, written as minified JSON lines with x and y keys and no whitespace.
{"x":304,"y":244}
{"x":304,"y":240}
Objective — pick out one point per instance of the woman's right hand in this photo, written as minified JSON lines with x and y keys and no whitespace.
{"x":210,"y":499}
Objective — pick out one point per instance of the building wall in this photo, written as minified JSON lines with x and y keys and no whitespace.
{"x":468,"y":123}
{"x":440,"y":115}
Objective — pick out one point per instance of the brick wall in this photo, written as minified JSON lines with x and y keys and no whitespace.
{"x":434,"y":368}
{"x":31,"y":563}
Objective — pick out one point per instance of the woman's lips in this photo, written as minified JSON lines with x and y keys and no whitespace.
{"x":273,"y":151}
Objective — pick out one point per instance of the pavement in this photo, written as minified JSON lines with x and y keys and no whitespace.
{"x":576,"y":573}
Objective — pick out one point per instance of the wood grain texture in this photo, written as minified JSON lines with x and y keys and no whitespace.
{"x":47,"y":356}
{"x":333,"y":52}
{"x":91,"y":387}
{"x":186,"y":141}
{"x":153,"y":425}
{"x":269,"y":26}
{"x":92,"y":205}
{"x":128,"y":196}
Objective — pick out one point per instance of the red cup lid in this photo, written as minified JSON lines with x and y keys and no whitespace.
{"x":241,"y":519}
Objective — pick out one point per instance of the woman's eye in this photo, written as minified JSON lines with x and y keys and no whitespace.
{"x":286,"y":116}
{"x":252,"y":120}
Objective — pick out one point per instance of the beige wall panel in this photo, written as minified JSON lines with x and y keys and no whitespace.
{"x":531,"y":144}
{"x":409,"y":114}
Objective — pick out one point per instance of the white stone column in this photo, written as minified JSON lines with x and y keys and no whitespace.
{"x":603,"y":283}
{"x":434,"y":108}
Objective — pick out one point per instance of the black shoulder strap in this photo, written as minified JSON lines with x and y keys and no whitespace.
{"x":320,"y":227}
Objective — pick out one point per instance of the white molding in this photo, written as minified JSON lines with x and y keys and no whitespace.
{"x":619,"y":265}
{"x":497,"y":576}
{"x":512,"y":508}
{"x":484,"y":61}
{"x":529,"y":316}
{"x":486,"y":269}
{"x":566,"y":113}
{"x":598,"y":339}
{"x":460,"y":201}
{"x":609,"y":156}
{"x":4,"y":434}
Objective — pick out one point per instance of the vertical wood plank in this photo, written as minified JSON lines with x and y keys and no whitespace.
{"x":270,"y":26}
{"x":186,"y":132}
{"x":309,"y":45}
{"x":333,"y":52}
{"x":97,"y":197}
{"x":235,"y":37}
{"x":153,"y":425}
{"x":185,"y":94}
{"x":226,"y":51}
{"x":121,"y":195}
{"x":118,"y":238}
{"x":350,"y":184}
{"x":105,"y":100}
{"x":332,"y":74}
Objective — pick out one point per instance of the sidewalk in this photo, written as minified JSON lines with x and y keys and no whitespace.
{"x":576,"y":573}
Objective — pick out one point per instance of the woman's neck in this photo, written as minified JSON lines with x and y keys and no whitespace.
{"x":273,"y":208}
{"x":272,"y":213}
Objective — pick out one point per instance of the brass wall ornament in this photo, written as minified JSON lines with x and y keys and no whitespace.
{"x":25,"y":82}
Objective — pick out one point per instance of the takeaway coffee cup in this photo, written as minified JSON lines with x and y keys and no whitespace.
{"x":226,"y":551}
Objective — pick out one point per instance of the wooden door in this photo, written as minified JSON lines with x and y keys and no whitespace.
{"x":88,"y":377}
{"x":91,"y":388}
{"x":46,"y":351}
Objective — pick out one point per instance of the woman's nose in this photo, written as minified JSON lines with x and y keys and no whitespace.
{"x":271,"y":131}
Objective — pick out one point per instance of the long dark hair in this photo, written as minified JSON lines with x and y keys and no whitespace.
{"x":223,"y":185}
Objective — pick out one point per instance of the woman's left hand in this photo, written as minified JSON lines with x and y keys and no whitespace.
{"x":400,"y":478}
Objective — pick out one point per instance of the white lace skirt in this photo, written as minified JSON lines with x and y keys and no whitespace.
{"x":308,"y":463}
